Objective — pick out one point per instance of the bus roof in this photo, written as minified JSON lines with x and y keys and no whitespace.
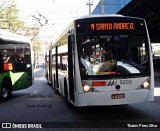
{"x":99,"y":15}
{"x":6,"y":35}
{"x":105,"y":15}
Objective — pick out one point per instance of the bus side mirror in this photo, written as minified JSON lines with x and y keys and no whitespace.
{"x":71,"y":40}
{"x":70,"y":49}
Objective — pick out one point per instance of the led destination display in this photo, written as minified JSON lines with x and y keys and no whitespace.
{"x":111,"y":26}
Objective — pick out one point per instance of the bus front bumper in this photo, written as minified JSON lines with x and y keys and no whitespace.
{"x":114,"y":98}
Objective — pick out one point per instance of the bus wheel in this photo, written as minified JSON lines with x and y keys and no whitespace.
{"x":5,"y":90}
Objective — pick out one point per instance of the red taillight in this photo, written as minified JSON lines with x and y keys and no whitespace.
{"x":7,"y":66}
{"x":98,"y":83}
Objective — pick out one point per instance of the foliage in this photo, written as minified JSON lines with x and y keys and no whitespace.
{"x":9,"y":16}
{"x":36,"y":45}
{"x":9,"y":20}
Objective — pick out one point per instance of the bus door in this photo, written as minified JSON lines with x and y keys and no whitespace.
{"x":71,"y":66}
{"x":56,"y":72}
{"x":50,"y":67}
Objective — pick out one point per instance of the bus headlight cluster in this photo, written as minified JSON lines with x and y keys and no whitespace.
{"x":87,"y":88}
{"x":146,"y":84}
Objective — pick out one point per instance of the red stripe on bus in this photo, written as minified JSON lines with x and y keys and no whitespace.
{"x":98,"y":83}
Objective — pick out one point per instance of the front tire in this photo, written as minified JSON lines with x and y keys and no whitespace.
{"x":5,"y":90}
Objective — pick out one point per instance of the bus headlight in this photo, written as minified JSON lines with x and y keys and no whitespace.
{"x":87,"y":88}
{"x":146,"y":84}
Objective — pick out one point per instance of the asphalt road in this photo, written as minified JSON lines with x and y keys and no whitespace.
{"x":39,"y":103}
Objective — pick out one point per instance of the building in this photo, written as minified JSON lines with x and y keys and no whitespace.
{"x":110,"y":6}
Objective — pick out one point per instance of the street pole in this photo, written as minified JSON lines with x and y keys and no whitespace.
{"x":89,"y":4}
{"x":102,"y":7}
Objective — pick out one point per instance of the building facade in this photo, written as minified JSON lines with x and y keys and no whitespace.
{"x":109,"y":6}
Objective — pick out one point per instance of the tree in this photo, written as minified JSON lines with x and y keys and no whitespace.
{"x":9,"y":20}
{"x":9,"y":16}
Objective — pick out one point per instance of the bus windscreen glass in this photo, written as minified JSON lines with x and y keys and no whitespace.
{"x":112,"y":47}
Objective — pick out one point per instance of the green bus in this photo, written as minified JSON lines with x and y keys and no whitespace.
{"x":15,"y":63}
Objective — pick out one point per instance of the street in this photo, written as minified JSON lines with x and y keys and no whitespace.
{"x":39,"y":103}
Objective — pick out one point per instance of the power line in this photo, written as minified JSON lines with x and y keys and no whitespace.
{"x":61,"y":11}
{"x":40,"y":18}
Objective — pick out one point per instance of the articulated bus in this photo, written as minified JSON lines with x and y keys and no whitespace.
{"x":102,"y":60}
{"x":15,"y":63}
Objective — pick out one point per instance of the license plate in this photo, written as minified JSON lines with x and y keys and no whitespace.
{"x":118,"y":96}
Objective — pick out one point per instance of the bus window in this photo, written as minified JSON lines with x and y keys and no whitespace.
{"x":102,"y":55}
{"x":16,"y":53}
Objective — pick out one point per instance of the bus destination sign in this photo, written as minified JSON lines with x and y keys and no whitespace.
{"x":112,"y":26}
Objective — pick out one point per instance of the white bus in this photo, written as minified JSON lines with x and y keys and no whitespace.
{"x":102,"y":60}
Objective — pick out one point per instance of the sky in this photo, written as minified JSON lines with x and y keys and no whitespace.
{"x":59,"y":13}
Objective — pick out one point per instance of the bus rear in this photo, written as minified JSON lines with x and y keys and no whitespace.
{"x":114,"y":60}
{"x":15,"y":63}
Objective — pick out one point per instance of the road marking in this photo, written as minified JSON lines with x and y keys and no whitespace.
{"x":39,"y":78}
{"x":33,"y":93}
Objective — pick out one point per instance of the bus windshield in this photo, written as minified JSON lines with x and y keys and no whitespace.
{"x":116,"y":53}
